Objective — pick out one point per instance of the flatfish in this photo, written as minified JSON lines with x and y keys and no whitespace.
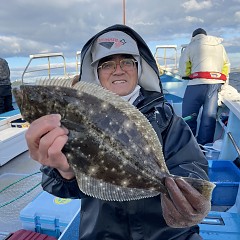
{"x":112,"y":148}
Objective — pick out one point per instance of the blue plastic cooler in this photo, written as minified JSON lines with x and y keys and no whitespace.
{"x":49,"y":214}
{"x":226,"y":176}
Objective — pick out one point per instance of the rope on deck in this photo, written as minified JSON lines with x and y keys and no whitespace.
{"x":23,"y":194}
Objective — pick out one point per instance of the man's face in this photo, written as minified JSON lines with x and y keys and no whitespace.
{"x":121,"y":80}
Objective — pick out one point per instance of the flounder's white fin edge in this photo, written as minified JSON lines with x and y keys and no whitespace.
{"x":61,"y":82}
{"x":109,"y":192}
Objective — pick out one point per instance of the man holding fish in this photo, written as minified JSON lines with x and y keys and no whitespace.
{"x":119,"y":60}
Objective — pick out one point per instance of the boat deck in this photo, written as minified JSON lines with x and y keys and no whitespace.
{"x":19,"y":184}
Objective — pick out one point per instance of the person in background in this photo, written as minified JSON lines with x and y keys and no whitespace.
{"x":118,"y":59}
{"x":204,"y":62}
{"x":5,"y":87}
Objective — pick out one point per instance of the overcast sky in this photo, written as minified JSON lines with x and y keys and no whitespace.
{"x":37,"y":26}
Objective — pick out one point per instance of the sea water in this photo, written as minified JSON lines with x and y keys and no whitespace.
{"x":234,"y":79}
{"x":234,"y":76}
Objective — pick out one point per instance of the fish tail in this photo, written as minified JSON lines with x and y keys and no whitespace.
{"x":203,"y":186}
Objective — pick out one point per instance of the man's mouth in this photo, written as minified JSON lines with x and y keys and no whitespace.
{"x":119,"y":81}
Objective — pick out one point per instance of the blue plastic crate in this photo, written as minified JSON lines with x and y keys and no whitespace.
{"x":226,"y":176}
{"x":220,"y":226}
{"x":48,"y":214}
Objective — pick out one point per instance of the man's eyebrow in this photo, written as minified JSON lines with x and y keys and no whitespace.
{"x":109,"y":58}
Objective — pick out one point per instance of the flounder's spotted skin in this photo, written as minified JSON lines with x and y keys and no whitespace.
{"x":112,"y":148}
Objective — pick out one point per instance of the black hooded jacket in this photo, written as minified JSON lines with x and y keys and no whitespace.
{"x":138,"y":219}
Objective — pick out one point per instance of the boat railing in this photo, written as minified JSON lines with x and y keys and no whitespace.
{"x":55,"y":62}
{"x":78,"y":61}
{"x":166,"y":57}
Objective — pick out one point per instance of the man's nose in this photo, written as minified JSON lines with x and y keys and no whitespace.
{"x":118,"y":68}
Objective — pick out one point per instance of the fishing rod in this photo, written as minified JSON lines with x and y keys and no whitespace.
{"x":237,"y":160}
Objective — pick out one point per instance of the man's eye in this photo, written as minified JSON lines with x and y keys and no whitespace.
{"x":127,"y":63}
{"x":107,"y":65}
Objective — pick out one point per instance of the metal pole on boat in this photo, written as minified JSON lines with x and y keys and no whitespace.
{"x":124,"y":12}
{"x":237,"y":160}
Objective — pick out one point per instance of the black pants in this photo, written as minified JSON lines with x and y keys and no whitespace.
{"x":5,"y":98}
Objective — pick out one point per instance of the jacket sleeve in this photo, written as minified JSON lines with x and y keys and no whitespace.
{"x":182,"y":153}
{"x":226,"y":65}
{"x":55,"y":184}
{"x":185,"y":67}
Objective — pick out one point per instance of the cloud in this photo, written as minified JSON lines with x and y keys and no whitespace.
{"x":13,"y":46}
{"x":237,"y":16}
{"x":194,"y":19}
{"x":29,"y":27}
{"x":193,"y":5}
